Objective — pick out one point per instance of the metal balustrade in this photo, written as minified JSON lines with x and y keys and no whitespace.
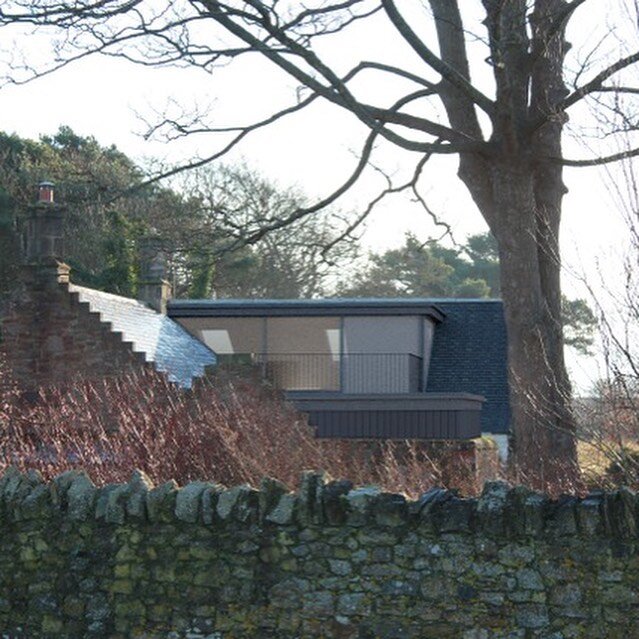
{"x":349,"y":373}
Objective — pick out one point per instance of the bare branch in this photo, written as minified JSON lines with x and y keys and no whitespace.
{"x":392,"y":190}
{"x":606,"y":159}
{"x":304,"y":211}
{"x":632,"y":90}
{"x":448,"y":72}
{"x":397,"y":71}
{"x":311,"y":16}
{"x":596,"y":83}
{"x":427,"y":126}
{"x":336,"y":91}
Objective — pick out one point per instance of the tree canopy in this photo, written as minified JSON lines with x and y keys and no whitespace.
{"x":196,"y":224}
{"x":87,"y":175}
{"x":418,"y":269}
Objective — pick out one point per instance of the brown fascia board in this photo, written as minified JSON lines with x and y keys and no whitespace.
{"x":304,"y":308}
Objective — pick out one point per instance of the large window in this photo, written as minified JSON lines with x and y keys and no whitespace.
{"x":382,"y":354}
{"x":233,"y":335}
{"x":303,"y":353}
{"x":352,"y":354}
{"x":303,"y":335}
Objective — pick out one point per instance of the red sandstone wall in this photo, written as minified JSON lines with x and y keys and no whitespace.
{"x":51,"y":337}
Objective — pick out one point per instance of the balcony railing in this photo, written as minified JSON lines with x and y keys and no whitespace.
{"x":353,"y":373}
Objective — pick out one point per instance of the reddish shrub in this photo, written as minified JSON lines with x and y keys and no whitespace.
{"x":230,"y":429}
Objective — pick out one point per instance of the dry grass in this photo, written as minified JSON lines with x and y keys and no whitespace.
{"x":607,"y":463}
{"x":593,"y":459}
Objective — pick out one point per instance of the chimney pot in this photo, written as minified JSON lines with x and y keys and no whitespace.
{"x":45,"y":192}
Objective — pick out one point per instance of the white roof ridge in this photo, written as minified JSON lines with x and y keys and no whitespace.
{"x":74,"y":288}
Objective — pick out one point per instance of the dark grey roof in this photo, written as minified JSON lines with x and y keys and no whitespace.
{"x":470,"y":355}
{"x":162,"y":341}
{"x":296,"y":307}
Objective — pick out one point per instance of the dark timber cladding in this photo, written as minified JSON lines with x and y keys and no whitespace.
{"x":445,"y":416}
{"x":396,"y":424}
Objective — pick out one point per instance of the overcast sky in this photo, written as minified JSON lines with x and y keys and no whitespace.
{"x":314,"y":150}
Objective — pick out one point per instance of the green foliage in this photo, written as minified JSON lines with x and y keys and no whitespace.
{"x":201,"y":223}
{"x":579,"y":322}
{"x":483,"y":256}
{"x":202,"y":271}
{"x":90,"y":181}
{"x":472,"y":271}
{"x":117,"y":244}
{"x":472,"y":288}
{"x":418,"y":270}
{"x":9,"y":243}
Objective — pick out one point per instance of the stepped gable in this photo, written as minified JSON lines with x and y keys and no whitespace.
{"x":162,"y":341}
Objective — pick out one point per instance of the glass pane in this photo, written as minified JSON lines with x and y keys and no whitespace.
{"x":303,"y":334}
{"x":229,"y":335}
{"x":303,"y":352}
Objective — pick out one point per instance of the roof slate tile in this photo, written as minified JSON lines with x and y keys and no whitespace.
{"x":161,"y":340}
{"x":470,"y":355}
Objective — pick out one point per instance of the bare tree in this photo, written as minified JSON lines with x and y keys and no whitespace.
{"x":610,"y":415}
{"x":229,"y":202}
{"x":507,"y":134}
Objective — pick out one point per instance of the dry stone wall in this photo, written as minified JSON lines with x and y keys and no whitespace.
{"x":329,"y":561}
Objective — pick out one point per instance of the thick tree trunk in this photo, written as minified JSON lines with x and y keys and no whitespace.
{"x":542,"y":422}
{"x":517,"y":185}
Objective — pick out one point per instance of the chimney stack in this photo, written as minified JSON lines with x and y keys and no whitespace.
{"x":153,"y":287}
{"x":44,"y":239}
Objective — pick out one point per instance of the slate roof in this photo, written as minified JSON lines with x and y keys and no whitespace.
{"x":470,"y":355}
{"x":163,"y":342}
